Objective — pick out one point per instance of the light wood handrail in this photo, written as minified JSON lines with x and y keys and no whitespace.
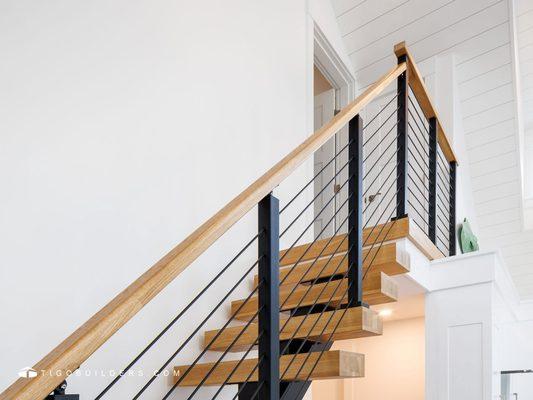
{"x":416,"y":82}
{"x":75,"y":349}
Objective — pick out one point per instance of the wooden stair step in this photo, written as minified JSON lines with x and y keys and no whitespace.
{"x":394,"y":230}
{"x":339,"y":243}
{"x":384,"y":290}
{"x":356,"y":322}
{"x":391,"y":258}
{"x":336,"y":364}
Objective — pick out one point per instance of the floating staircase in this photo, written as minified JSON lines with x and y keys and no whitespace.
{"x":309,"y":281}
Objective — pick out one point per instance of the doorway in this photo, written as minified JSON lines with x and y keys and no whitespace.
{"x":333,"y":89}
{"x":324,"y":109}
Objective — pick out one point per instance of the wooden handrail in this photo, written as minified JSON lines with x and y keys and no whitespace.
{"x":75,"y":349}
{"x":416,"y":82}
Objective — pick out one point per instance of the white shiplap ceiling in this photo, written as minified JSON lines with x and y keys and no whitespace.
{"x":478,"y":33}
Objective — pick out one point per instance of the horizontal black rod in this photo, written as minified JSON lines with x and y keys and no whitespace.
{"x":421,"y":156}
{"x":421,"y":168}
{"x":419,"y":202}
{"x":379,"y":112}
{"x":419,"y":117}
{"x":379,"y":144}
{"x":379,"y":128}
{"x":446,"y":222}
{"x":329,"y":339}
{"x":441,"y":157}
{"x":247,"y":380}
{"x":383,"y":197}
{"x":175,"y":319}
{"x":382,"y":155}
{"x":422,"y":146}
{"x":311,"y":224}
{"x":236,"y":366}
{"x":418,"y":213}
{"x":197,"y":329}
{"x":381,"y":243}
{"x":309,"y":288}
{"x":316,"y":196}
{"x":313,"y":178}
{"x":379,"y":189}
{"x":206,"y":349}
{"x":311,"y":265}
{"x":306,"y":339}
{"x":321,"y":353}
{"x":417,"y":224}
{"x":423,"y":172}
{"x":442,"y":212}
{"x":374,"y":227}
{"x":217,"y":363}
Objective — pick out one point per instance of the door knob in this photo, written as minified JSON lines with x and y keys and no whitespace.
{"x":372,"y":197}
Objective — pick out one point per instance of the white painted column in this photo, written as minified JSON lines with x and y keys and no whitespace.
{"x":463,"y":305}
{"x":459,"y":343}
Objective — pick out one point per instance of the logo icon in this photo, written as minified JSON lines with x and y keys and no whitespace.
{"x":27,"y":372}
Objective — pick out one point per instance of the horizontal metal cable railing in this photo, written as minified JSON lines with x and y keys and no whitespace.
{"x":431,"y":197}
{"x":338,"y":301}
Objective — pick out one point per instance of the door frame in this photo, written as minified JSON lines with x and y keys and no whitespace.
{"x":330,"y":63}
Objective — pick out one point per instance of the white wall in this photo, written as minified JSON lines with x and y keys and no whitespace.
{"x":124,"y":126}
{"x":516,"y":345}
{"x":394,"y":365}
{"x":446,"y":94}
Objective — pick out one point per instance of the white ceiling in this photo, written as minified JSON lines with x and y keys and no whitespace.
{"x":478,"y":33}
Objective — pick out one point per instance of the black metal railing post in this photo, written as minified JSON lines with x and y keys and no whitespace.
{"x":268,"y":271}
{"x":432,"y":209}
{"x":355,"y":211}
{"x":452,"y":230}
{"x":401,"y":142}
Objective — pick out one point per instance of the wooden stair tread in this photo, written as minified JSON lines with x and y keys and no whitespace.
{"x":391,"y":258}
{"x":336,"y":364}
{"x":356,"y":322}
{"x":384,"y":290}
{"x":389,"y":231}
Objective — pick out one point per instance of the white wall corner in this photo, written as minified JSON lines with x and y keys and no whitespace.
{"x":326,"y":49}
{"x":323,"y":15}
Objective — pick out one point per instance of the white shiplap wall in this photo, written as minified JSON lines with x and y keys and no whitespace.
{"x":520,"y":254}
{"x":478,"y":33}
{"x":524,"y":28}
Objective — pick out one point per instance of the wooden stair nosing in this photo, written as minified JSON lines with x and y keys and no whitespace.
{"x":385,"y":292}
{"x":390,"y":258}
{"x":333,"y":364}
{"x":356,"y":322}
